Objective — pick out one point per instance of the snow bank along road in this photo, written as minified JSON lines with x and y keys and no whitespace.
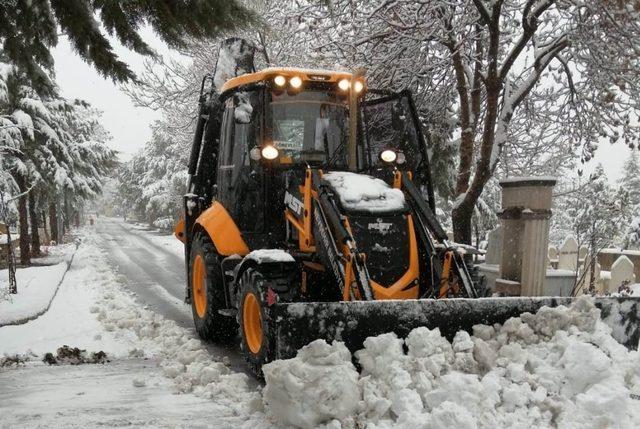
{"x":151,"y":265}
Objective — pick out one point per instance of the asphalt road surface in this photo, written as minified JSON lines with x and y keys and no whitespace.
{"x":153,"y":273}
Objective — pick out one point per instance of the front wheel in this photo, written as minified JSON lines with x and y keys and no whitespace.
{"x":252,"y":319}
{"x":207,"y":293}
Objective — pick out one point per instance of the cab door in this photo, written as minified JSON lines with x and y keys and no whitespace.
{"x":240,"y":181}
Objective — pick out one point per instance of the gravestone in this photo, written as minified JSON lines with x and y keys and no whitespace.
{"x":621,"y":271}
{"x":586,"y":268}
{"x":582,"y":254}
{"x":45,"y":239}
{"x":553,"y":256}
{"x":568,"y":255}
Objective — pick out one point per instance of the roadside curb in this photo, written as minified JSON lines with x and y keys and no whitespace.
{"x":44,"y":310}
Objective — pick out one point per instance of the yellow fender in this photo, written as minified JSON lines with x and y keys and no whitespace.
{"x":223,"y":231}
{"x":178,"y":230}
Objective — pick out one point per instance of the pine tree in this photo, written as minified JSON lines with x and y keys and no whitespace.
{"x":29,"y":30}
{"x":52,"y":149}
{"x":630,"y":180}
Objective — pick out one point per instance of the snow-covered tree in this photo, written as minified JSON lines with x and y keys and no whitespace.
{"x":630,"y":181}
{"x":528,"y":82}
{"x":29,"y":29}
{"x":596,"y":211}
{"x":629,"y":184}
{"x":632,"y":239}
{"x":55,"y":151}
{"x":152,"y":183}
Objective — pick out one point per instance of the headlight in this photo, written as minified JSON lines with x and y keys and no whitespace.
{"x":358,"y":86}
{"x":344,"y":84}
{"x":279,"y":80}
{"x":269,"y":152}
{"x":255,"y":154}
{"x":295,"y":82}
{"x":401,"y":159}
{"x":388,"y":155}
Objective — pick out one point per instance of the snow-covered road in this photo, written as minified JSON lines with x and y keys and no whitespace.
{"x":98,"y":396}
{"x":153,"y":273}
{"x":151,"y":266}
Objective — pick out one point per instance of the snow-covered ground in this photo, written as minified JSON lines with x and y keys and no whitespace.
{"x":558,"y":368}
{"x":36,"y":285}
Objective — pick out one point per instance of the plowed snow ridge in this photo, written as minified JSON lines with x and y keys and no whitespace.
{"x":557,"y":368}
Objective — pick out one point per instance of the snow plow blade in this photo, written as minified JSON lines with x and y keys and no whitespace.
{"x":297,"y":324}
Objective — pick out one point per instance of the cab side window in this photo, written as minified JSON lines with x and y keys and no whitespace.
{"x":239,"y":186}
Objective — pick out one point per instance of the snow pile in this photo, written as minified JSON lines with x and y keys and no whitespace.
{"x":360,"y":192}
{"x":270,"y":255}
{"x":559,"y":367}
{"x":165,"y":223}
{"x":319,"y":384}
{"x":181,"y":357}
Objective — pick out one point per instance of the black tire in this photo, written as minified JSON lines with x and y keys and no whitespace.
{"x":252,"y":282}
{"x":210,"y":325}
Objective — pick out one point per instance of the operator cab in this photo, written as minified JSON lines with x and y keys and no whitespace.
{"x":303,"y":115}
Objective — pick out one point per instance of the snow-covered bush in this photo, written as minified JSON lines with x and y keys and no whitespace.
{"x":633,"y":234}
{"x":165,"y":223}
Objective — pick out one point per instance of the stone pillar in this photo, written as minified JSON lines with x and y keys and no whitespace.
{"x":526,"y":209}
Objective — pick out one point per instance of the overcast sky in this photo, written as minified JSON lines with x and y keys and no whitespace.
{"x":129,"y":125}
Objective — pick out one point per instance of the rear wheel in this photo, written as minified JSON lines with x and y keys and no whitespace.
{"x":252,"y":319}
{"x":207,"y":294}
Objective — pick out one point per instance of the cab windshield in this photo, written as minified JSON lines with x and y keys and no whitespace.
{"x":309,"y":127}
